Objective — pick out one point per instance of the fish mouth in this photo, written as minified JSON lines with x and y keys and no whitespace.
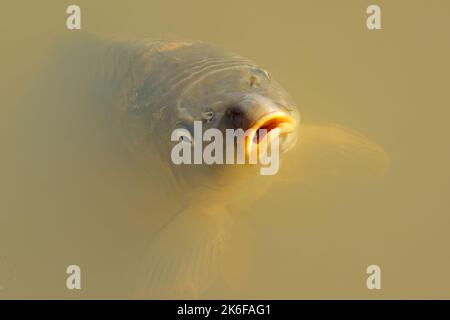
{"x":260,"y":130}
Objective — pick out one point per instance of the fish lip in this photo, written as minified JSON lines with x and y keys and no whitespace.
{"x":277,"y":120}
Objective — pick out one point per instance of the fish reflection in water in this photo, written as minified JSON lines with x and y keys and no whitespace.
{"x":91,"y":182}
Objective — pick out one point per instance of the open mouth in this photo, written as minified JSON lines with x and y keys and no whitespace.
{"x":262,"y":128}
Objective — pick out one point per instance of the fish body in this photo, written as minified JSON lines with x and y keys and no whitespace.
{"x":104,"y":113}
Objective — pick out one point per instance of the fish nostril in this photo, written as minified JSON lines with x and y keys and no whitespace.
{"x":236,"y":117}
{"x":207,"y":116}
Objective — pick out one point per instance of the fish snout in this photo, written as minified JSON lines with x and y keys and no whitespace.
{"x":259,"y":116}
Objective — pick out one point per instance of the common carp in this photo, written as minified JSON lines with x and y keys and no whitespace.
{"x":109,"y":106}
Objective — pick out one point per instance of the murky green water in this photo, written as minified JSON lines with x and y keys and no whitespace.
{"x":310,"y":239}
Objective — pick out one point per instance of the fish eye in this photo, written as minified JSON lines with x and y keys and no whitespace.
{"x":258,"y":72}
{"x":207,"y":115}
{"x":183,"y":134}
{"x":256,"y":76}
{"x":186,"y":139}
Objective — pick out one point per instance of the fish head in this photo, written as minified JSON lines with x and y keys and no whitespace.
{"x":243,"y":97}
{"x":240,"y":98}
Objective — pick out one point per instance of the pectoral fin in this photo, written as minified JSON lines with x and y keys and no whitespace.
{"x":186,"y":256}
{"x":333,"y":152}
